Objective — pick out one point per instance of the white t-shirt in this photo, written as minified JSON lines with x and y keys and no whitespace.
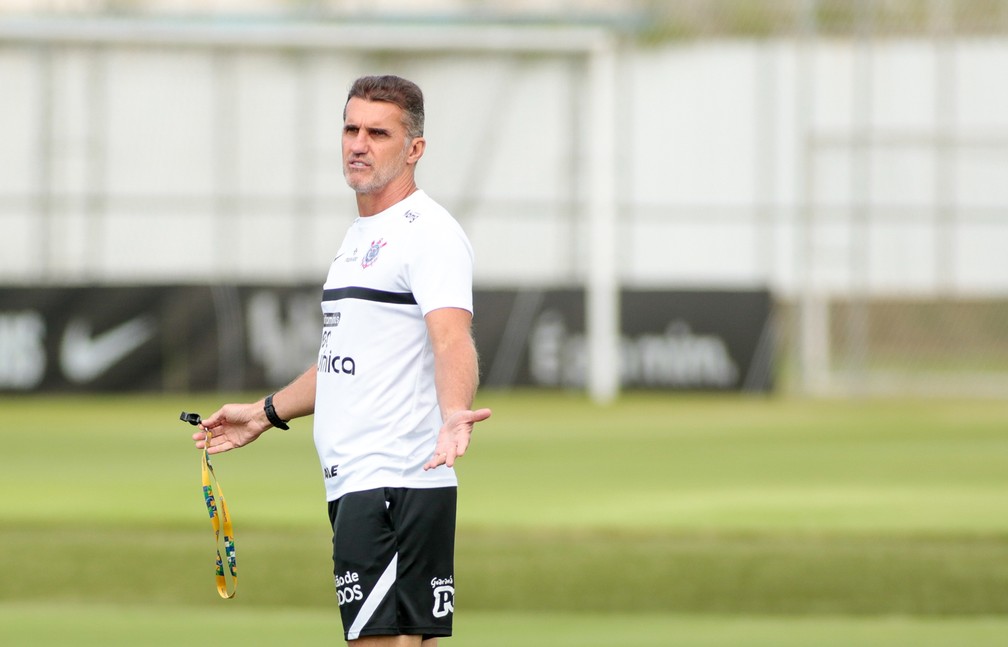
{"x":376,"y":410}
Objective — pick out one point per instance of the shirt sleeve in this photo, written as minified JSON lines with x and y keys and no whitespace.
{"x":441,"y":269}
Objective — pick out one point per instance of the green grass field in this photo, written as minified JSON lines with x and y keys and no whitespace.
{"x":660,"y":520}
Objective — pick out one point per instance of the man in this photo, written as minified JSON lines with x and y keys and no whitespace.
{"x":393,"y":386}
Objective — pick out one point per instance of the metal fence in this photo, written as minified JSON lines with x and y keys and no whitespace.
{"x":904,"y":216}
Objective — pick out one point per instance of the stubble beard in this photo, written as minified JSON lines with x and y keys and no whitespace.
{"x":381,"y":175}
{"x":376,"y":182}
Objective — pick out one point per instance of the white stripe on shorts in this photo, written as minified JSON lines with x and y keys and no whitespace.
{"x":378,"y":593}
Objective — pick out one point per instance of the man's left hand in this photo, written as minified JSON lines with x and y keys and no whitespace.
{"x":453,"y":440}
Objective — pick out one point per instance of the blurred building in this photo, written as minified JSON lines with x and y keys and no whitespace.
{"x":417,"y":7}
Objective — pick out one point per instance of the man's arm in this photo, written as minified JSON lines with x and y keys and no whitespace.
{"x":297,"y":399}
{"x":456,"y":376}
{"x":236,"y":425}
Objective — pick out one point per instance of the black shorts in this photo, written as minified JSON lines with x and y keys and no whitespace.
{"x":394,"y":561}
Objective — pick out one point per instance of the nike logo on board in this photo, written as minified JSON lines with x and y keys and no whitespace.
{"x":84,"y":356}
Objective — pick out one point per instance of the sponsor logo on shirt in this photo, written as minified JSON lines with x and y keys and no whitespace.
{"x":332,"y":363}
{"x":411,"y":215}
{"x":330,"y":472}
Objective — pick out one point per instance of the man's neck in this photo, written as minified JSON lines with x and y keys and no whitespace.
{"x":369,"y":204}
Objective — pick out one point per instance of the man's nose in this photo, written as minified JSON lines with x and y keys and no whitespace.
{"x":358,"y":144}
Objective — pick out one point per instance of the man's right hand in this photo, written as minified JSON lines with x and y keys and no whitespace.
{"x":231,"y":426}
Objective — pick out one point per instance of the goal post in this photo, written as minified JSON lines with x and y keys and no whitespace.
{"x":595,"y":48}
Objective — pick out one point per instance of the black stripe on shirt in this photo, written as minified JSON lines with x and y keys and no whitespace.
{"x":369,"y":294}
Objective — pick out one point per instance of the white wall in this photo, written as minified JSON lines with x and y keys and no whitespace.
{"x":167,"y":164}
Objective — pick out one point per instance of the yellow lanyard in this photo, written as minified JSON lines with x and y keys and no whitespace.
{"x":227,"y":580}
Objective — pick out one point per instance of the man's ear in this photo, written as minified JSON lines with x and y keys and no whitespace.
{"x":416,"y":150}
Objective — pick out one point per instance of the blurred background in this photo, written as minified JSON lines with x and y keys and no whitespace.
{"x":770,"y":235}
{"x":841,"y":164}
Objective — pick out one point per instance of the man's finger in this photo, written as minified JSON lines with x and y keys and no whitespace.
{"x":200,"y":437}
{"x":438,"y":459}
{"x":462,"y":445}
{"x":215,"y":419}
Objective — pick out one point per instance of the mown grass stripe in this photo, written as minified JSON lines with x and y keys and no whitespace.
{"x":558,"y":571}
{"x":45,"y":625}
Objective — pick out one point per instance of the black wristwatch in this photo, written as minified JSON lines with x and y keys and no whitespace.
{"x":271,"y":414}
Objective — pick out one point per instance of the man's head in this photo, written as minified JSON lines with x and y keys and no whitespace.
{"x":383,"y":122}
{"x":397,"y":91}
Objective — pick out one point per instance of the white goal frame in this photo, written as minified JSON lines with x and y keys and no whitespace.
{"x":596,"y":46}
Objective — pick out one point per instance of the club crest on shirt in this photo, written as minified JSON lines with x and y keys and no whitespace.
{"x":372,"y":253}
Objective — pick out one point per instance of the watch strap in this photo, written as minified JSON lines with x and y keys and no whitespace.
{"x":271,"y":414}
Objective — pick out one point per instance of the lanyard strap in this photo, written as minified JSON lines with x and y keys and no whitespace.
{"x":227,"y":579}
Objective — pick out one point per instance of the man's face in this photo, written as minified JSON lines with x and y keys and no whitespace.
{"x":376,"y":149}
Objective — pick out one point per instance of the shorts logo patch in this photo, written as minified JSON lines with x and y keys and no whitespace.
{"x":444,"y":596}
{"x":348,"y":588}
